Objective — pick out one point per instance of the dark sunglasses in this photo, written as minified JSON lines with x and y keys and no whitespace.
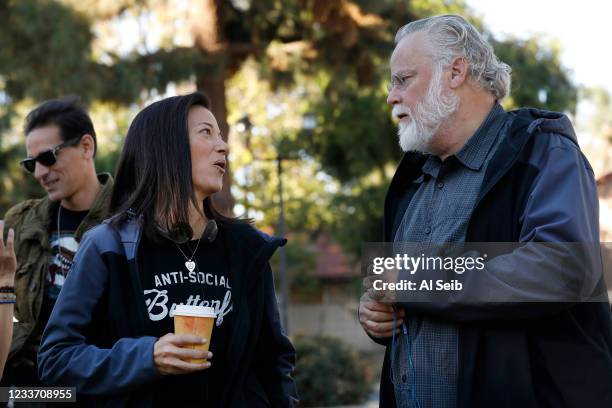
{"x":48,"y":157}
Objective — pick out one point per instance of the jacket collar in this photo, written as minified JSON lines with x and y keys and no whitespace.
{"x":241,"y":239}
{"x":249,"y":250}
{"x":99,"y":209}
{"x":525,"y":123}
{"x":523,"y":126}
{"x":36,"y":224}
{"x":475,"y":151}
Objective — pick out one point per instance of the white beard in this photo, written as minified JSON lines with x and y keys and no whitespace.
{"x":427,"y":117}
{"x":413,"y":137}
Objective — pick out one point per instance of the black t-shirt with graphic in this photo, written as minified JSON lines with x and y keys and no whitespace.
{"x":166,"y":282}
{"x":63,"y":247}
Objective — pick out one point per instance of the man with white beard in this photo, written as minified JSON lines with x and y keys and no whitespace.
{"x":475,"y":173}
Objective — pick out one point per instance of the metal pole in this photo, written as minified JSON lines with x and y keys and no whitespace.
{"x":246,"y":191}
{"x":247,"y":180}
{"x":283,"y":253}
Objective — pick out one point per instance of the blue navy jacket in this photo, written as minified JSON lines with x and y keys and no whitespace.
{"x":538,"y":187}
{"x":95,"y":338}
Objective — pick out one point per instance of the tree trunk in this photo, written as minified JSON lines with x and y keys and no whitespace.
{"x":209,"y":39}
{"x":214,"y":87}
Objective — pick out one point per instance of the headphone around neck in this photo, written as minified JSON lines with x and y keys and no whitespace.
{"x":180,"y":236}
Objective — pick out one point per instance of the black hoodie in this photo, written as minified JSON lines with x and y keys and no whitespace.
{"x":95,"y":340}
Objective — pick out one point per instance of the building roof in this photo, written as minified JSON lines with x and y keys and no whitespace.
{"x":604,"y":186}
{"x":332,"y":262}
{"x":604,"y":190}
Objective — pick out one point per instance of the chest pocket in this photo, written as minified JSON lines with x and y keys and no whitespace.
{"x":30,"y":273}
{"x":29,"y":284}
{"x":30,"y":245}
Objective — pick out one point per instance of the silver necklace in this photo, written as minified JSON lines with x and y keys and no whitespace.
{"x":189,"y":262}
{"x":191,"y":265}
{"x":59,"y":242}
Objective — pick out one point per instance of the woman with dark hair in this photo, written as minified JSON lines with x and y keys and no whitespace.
{"x":111,"y":331}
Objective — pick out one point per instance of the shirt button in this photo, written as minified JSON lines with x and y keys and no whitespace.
{"x":404,"y":378}
{"x":428,"y":230}
{"x":440,"y":185}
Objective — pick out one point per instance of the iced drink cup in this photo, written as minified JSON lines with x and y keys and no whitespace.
{"x":198,"y":320}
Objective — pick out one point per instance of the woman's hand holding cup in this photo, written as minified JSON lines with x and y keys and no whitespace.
{"x":171,"y":356}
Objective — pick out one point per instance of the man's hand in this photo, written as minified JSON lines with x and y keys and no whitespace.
{"x":376,"y":317}
{"x":169,"y":356}
{"x":382,"y":294}
{"x":8,"y":262}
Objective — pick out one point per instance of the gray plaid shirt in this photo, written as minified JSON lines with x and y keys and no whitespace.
{"x":439,"y":212}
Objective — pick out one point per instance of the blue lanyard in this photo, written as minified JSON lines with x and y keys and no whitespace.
{"x":406,"y":331}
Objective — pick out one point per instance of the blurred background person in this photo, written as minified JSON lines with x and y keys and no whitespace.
{"x":61,"y":148}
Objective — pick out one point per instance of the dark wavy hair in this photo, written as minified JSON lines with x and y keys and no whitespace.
{"x":153,"y":177}
{"x":67,"y":113}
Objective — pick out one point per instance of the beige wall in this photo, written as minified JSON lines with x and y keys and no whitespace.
{"x":331,"y":320}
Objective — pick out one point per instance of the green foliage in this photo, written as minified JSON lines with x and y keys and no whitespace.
{"x":19,"y":183}
{"x":425,"y":8}
{"x":328,"y":373}
{"x":538,"y":78}
{"x":356,"y":140}
{"x":356,"y":136}
{"x":276,"y":116}
{"x":44,"y":50}
{"x":359,"y":215}
{"x":601,"y":123}
{"x":106,"y":161}
{"x":277,"y":59}
{"x":301,"y":261}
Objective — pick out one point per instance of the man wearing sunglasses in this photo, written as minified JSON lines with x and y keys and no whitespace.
{"x":61,"y":147}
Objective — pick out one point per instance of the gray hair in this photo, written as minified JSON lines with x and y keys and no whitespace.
{"x":452,"y":36}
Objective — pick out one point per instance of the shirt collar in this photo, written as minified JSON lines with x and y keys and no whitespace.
{"x":474,"y":153}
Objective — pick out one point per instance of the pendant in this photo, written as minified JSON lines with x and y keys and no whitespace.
{"x":190,"y":265}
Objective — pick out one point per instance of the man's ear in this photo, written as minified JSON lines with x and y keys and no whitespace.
{"x":459,"y":68}
{"x":88,"y":145}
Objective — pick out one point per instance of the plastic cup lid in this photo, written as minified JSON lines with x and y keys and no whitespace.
{"x":197,"y":311}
